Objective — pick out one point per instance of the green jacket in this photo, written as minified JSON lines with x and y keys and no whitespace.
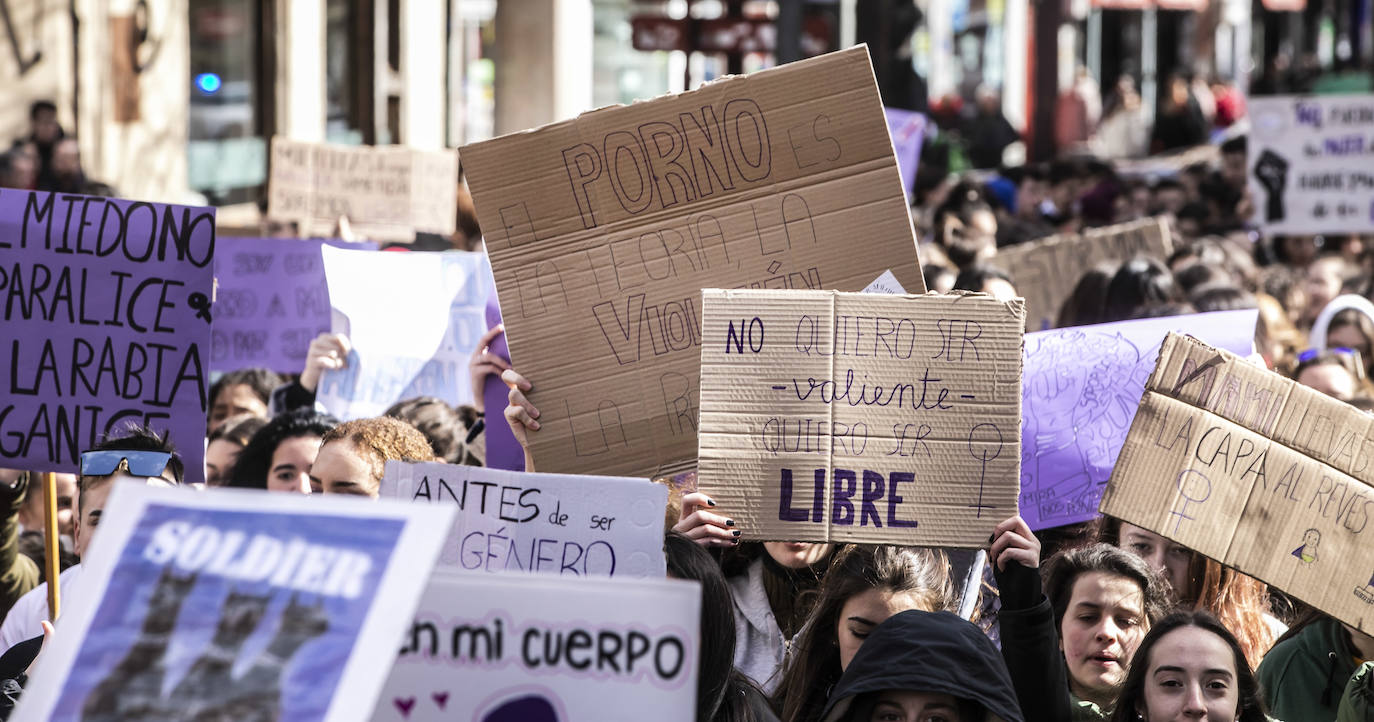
{"x":1357,"y":704}
{"x":18,"y":573}
{"x":1305,"y":676}
{"x":1085,"y":711}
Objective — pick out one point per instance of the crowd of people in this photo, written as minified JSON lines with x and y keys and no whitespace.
{"x":1098,"y":621}
{"x":47,"y":158}
{"x":1194,"y":109}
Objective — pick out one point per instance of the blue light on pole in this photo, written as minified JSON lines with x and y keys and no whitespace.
{"x":209,"y":83}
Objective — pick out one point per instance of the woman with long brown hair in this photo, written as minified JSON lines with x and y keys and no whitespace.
{"x":863,"y":587}
{"x":1241,"y":602}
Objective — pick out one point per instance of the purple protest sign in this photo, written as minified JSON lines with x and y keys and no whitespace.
{"x":908,"y":131}
{"x":1079,"y":392}
{"x":107,"y":322}
{"x":271,"y":301}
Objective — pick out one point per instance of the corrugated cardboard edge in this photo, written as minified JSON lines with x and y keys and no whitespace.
{"x":1179,"y":344}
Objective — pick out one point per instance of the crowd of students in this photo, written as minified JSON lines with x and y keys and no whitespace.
{"x":1097,"y":621}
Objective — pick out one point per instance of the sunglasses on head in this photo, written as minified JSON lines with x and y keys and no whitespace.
{"x":140,"y":463}
{"x":1312,"y":353}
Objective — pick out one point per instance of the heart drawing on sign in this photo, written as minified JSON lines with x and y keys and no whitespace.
{"x":440,"y":699}
{"x":405,"y":705}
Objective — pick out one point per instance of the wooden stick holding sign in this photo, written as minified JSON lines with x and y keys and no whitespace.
{"x":51,"y":546}
{"x":1255,"y":471}
{"x":872,"y":418}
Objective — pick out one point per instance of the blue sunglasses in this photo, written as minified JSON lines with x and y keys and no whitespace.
{"x":140,"y":463}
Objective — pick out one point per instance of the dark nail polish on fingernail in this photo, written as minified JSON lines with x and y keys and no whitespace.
{"x":734,"y":541}
{"x":729,"y":522}
{"x":710,"y":502}
{"x":735,"y":532}
{"x":991,"y":537}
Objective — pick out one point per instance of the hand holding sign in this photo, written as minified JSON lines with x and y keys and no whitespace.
{"x":485,"y":363}
{"x":328,"y":352}
{"x":704,"y":527}
{"x":521,"y":414}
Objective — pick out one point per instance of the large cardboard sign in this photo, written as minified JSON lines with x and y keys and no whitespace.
{"x":271,"y":301}
{"x":1079,"y":394}
{"x":603,"y":230}
{"x":413,"y":320}
{"x":105,"y":322}
{"x":510,"y":521}
{"x":548,"y":649}
{"x":1045,"y":272}
{"x":852,"y":417}
{"x":1308,"y":163}
{"x":1257,"y":472}
{"x":220,"y":605}
{"x":387,"y":193}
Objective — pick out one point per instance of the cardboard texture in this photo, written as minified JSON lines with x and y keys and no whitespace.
{"x":872,"y":418}
{"x":386,"y":192}
{"x":1045,"y":272}
{"x":603,"y":230}
{"x":1307,"y":163}
{"x":1255,"y":471}
{"x":513,"y":522}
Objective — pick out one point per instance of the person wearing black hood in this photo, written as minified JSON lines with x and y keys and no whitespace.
{"x":922,"y":665}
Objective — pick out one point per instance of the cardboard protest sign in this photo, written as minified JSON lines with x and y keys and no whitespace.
{"x":413,"y":320}
{"x":271,"y":301}
{"x":1308,"y":163}
{"x":387,"y":193}
{"x":1045,"y":272}
{"x":548,"y":649}
{"x":509,"y":521}
{"x":1079,"y":394}
{"x":220,"y":605}
{"x":1255,"y":471}
{"x":603,"y":230}
{"x":871,"y":418}
{"x":106,"y":322}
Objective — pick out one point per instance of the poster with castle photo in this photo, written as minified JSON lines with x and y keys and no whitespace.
{"x":217,"y":605}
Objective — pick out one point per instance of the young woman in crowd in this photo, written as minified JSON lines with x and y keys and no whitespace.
{"x":922,"y":667}
{"x":1190,"y":666}
{"x":1241,"y":602}
{"x":863,"y":587}
{"x":245,"y":391}
{"x":353,"y":455}
{"x":723,"y":693}
{"x":279,"y":455}
{"x":1068,"y":649}
{"x":1308,"y":670}
{"x":446,"y":428}
{"x":225,"y":443}
{"x":1347,"y":322}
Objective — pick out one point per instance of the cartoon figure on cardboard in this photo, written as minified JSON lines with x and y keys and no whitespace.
{"x":1308,"y":551}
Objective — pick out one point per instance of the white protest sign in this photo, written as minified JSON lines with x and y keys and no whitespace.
{"x":225,"y":605}
{"x":1308,"y":163}
{"x":413,"y":320}
{"x":545,"y":649}
{"x":510,"y":521}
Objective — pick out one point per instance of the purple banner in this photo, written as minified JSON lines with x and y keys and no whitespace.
{"x":1080,"y":389}
{"x":106,"y":321}
{"x":271,"y":301}
{"x":908,"y":131}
